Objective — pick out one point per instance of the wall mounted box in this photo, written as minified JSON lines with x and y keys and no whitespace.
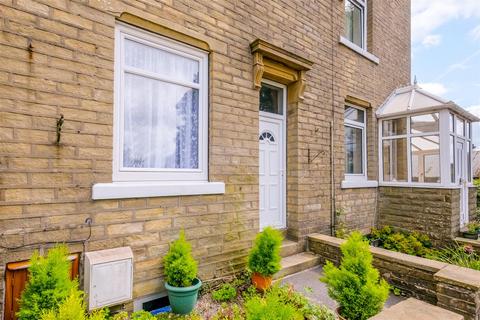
{"x":108,"y":277}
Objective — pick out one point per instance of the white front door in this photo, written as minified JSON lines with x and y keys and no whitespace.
{"x":461,"y":173}
{"x":272,"y":156}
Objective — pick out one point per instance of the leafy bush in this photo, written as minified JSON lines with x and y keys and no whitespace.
{"x":270,"y":307}
{"x":225,"y":293}
{"x":473,"y":227}
{"x":265,"y":257}
{"x":310,"y":311}
{"x":73,"y":308}
{"x":412,"y":243}
{"x":48,"y":284}
{"x":463,"y":256}
{"x":180,"y":267}
{"x":229,"y":312}
{"x":356,"y":285}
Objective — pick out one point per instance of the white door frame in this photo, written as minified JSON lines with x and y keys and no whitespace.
{"x":283,"y":151}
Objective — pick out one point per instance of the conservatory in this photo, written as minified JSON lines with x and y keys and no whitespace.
{"x":426,"y":142}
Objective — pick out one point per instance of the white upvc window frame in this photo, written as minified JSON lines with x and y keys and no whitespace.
{"x":120,"y":173}
{"x":444,"y":134}
{"x":357,"y":177}
{"x":137,"y":183}
{"x":466,"y":139}
{"x":362,"y":5}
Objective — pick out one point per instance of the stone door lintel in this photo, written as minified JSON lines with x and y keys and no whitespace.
{"x":274,"y":63}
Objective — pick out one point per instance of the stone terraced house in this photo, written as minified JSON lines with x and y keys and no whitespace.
{"x":124,"y":121}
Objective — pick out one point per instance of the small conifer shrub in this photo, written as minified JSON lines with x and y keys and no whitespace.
{"x":180,"y":267}
{"x":356,"y":285}
{"x":265,"y":257}
{"x":48,"y":284}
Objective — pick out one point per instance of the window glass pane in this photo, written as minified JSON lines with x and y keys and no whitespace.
{"x":451,"y":122}
{"x":424,"y":123}
{"x":459,"y":126}
{"x":426,"y":159}
{"x":452,"y":159}
{"x":271,"y":99}
{"x":395,"y":160}
{"x":467,"y":129}
{"x":353,"y":23}
{"x":395,"y":127}
{"x":469,"y":162}
{"x":162,"y":62}
{"x":354,"y":114}
{"x":160,"y":124}
{"x":353,"y":150}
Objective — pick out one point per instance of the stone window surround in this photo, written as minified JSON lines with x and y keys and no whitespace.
{"x":138,"y":189}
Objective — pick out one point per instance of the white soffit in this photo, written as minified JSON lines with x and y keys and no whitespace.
{"x":413,"y":99}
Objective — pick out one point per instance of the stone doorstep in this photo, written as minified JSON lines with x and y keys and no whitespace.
{"x":290,"y":247}
{"x":296,"y":263}
{"x":416,"y":309}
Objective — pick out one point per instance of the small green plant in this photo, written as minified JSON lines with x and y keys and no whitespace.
{"x":396,"y":291}
{"x":270,"y":307}
{"x":265,"y":257}
{"x":180,"y":266}
{"x":412,"y":243}
{"x":356,"y":285}
{"x":73,"y":308}
{"x":48,"y":284}
{"x":229,"y":312}
{"x":172,"y":316}
{"x":225,"y":293}
{"x":463,"y":256}
{"x":473,"y":227}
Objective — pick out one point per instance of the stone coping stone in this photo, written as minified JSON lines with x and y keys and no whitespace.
{"x":459,"y":276}
{"x":416,"y":309}
{"x":384,"y":254}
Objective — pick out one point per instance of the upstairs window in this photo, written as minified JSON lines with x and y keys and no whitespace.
{"x":355,"y":143}
{"x":160,"y":108}
{"x":355,"y":22}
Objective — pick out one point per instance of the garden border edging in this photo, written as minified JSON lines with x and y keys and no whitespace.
{"x":451,"y":287}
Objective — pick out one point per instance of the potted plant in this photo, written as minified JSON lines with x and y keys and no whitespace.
{"x":264,"y":258}
{"x":356,"y":285}
{"x":471,"y":231}
{"x":182,"y":283}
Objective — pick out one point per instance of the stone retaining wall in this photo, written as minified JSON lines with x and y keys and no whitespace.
{"x":445,"y":285}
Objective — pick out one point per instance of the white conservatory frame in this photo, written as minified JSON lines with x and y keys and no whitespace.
{"x":408,"y":110}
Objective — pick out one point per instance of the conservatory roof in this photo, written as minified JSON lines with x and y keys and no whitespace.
{"x":413,"y":99}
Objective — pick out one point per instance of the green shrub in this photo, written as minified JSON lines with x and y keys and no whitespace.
{"x":412,"y":243}
{"x":73,"y":308}
{"x":356,"y":285}
{"x":229,"y":312}
{"x":48,"y":284}
{"x":265,"y":257}
{"x":270,"y":307}
{"x":310,"y":311}
{"x":180,"y":267}
{"x":463,"y":256}
{"x":225,"y":293}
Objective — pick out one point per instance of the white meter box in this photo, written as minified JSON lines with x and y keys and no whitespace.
{"x":108,"y":277}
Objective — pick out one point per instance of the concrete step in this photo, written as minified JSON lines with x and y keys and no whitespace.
{"x":290,"y":248}
{"x":416,"y":309}
{"x":296,"y":263}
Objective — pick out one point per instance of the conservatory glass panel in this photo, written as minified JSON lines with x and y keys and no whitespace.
{"x":394,"y":127}
{"x":452,"y":159}
{"x":467,"y":129}
{"x":425,"y":159}
{"x":424,"y":123}
{"x":451,"y":122}
{"x":460,"y":127}
{"x":469,"y":162}
{"x":395,"y":167}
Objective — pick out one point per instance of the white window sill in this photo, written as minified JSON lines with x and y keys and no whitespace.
{"x":123,"y":190}
{"x":349,"y":44}
{"x":359,"y":184}
{"x":417,"y":185}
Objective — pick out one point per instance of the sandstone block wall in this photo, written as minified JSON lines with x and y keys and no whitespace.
{"x":56,"y":57}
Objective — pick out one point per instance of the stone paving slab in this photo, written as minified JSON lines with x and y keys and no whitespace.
{"x":416,"y":309}
{"x":308,"y":283}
